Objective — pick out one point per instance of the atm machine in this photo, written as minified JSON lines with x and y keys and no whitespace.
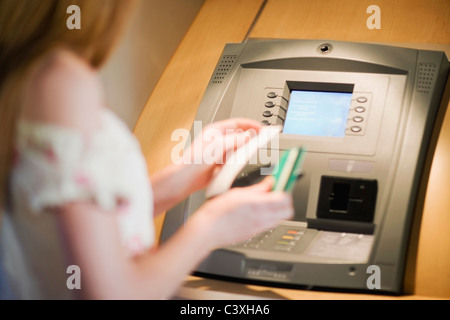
{"x":364,"y":114}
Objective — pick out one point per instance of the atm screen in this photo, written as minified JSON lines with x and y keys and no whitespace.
{"x":317,"y":113}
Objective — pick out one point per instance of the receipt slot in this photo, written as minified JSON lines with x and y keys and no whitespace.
{"x":365,"y":114}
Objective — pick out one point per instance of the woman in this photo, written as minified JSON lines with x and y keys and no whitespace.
{"x":73,"y":182}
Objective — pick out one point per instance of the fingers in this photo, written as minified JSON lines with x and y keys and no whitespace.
{"x":243,"y":212}
{"x":268,"y":218}
{"x":277,"y":204}
{"x":276,"y":207}
{"x":263,"y":186}
{"x":236,"y":123}
{"x":228,"y":135}
{"x":267,"y":210}
{"x":236,"y":139}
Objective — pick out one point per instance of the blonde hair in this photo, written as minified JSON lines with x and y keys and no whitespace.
{"x":29,"y":30}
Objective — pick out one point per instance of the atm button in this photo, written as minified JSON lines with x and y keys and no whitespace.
{"x":266,"y":122}
{"x":291,"y":237}
{"x":300,"y":232}
{"x":269,"y":104}
{"x":361,"y":99}
{"x":272,"y":95}
{"x":358,"y":119}
{"x":267,"y":114}
{"x":356,"y":129}
{"x":360,"y":109}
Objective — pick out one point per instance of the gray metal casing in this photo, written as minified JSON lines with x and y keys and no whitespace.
{"x":403,"y":87}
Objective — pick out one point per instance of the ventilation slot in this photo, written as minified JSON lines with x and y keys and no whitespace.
{"x":223,"y":68}
{"x":426,"y":76}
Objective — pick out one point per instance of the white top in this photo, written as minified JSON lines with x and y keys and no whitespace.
{"x":55,"y":165}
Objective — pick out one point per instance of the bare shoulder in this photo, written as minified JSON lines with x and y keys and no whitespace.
{"x":64,"y":90}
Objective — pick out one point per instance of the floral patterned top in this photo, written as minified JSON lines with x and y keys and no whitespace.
{"x":56,"y":165}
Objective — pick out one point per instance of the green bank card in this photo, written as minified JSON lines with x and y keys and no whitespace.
{"x":288,"y":169}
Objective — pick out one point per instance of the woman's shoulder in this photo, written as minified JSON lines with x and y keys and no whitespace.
{"x":63,"y":90}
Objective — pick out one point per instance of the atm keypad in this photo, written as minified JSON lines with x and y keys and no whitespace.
{"x":288,"y":240}
{"x":256,"y":241}
{"x":283,"y":239}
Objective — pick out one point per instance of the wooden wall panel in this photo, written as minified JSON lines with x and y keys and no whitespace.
{"x":420,"y":21}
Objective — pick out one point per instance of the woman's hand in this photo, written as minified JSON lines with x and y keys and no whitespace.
{"x":243,"y":212}
{"x":209,"y":150}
